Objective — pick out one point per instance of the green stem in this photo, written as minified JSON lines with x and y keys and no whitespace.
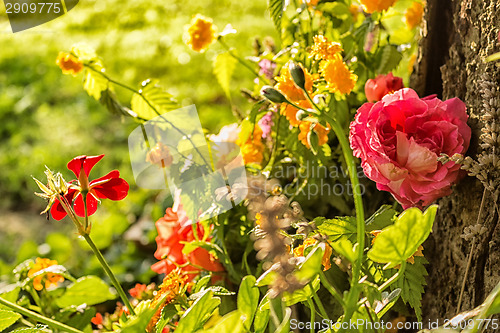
{"x":319,"y":304}
{"x":38,"y":317}
{"x":330,"y":288}
{"x":108,"y":271}
{"x":270,"y":164}
{"x":241,"y":61}
{"x":354,"y":291}
{"x":393,"y":278}
{"x":313,"y":314}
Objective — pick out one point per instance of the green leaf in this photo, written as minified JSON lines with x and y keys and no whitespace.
{"x":201,"y":310}
{"x":344,"y":247}
{"x":217,"y":290}
{"x":88,"y":289}
{"x":224,"y":65}
{"x":400,"y":241}
{"x":389,"y":58}
{"x":311,"y":265}
{"x":9,"y":293}
{"x":302,"y":294}
{"x":382,"y":218}
{"x":248,"y":299}
{"x":412,"y":284}
{"x":167,"y":313}
{"x":261,"y":316}
{"x":94,"y":82}
{"x":202,"y":283}
{"x":7,"y":318}
{"x":338,"y":227}
{"x":152,"y":100}
{"x":276,"y":9}
{"x":145,"y":312}
{"x":230,"y":323}
{"x":284,"y":327}
{"x":267,"y":277}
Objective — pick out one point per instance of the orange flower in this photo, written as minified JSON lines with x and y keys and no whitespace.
{"x":69,"y":63}
{"x":311,"y":2}
{"x":201,"y":33}
{"x":371,"y":6}
{"x":414,"y":14}
{"x":325,"y":261}
{"x":287,"y":87}
{"x":252,"y":148}
{"x":97,"y":320}
{"x":323,"y":49}
{"x":355,"y":10}
{"x":320,"y":130}
{"x":159,"y":155}
{"x":172,"y":286}
{"x":337,"y":75}
{"x":50,"y":279}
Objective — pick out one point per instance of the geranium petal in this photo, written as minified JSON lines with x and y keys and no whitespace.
{"x":87,"y":162}
{"x":114,"y":189}
{"x":57,"y":211}
{"x":91,"y":205}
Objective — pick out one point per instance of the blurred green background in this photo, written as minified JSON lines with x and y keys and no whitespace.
{"x":46,"y":118}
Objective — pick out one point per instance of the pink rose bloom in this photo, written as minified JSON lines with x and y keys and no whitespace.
{"x":400,"y":138}
{"x":382,"y":85}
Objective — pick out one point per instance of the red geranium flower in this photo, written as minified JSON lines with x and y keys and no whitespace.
{"x":110,"y":186}
{"x":174,"y":231}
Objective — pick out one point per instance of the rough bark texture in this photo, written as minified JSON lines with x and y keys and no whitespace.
{"x":457,"y":37}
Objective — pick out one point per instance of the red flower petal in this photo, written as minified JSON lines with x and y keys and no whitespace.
{"x":57,"y":211}
{"x":115,"y":188}
{"x":91,"y":205}
{"x":85,"y":162}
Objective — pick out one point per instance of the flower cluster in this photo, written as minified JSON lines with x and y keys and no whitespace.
{"x":69,"y":64}
{"x":46,"y":280}
{"x":175,"y":230}
{"x":201,"y":33}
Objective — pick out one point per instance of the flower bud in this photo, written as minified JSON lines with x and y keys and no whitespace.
{"x":273,"y":95}
{"x":298,"y":75}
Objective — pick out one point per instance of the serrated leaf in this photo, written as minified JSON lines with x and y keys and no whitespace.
{"x":302,"y":294}
{"x":93,"y":82}
{"x":152,"y":100}
{"x":167,"y":313}
{"x":261,"y":316}
{"x":217,"y":291}
{"x":7,"y":318}
{"x":276,"y":10}
{"x":389,"y":59}
{"x":202,"y":282}
{"x":396,"y":243}
{"x":248,"y":299}
{"x":145,"y":312}
{"x":412,"y":285}
{"x":338,"y":227}
{"x":88,"y":289}
{"x":224,"y":65}
{"x":201,"y":310}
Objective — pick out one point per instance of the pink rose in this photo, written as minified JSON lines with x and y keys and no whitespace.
{"x":382,"y":85}
{"x":400,"y":138}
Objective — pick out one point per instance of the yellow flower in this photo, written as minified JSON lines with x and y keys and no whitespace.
{"x":201,"y":33}
{"x":337,"y":75}
{"x":50,"y":279}
{"x":69,"y":63}
{"x":411,"y":62}
{"x":325,"y":261}
{"x":172,"y":286}
{"x":287,"y":87}
{"x":252,"y":148}
{"x":355,"y":10}
{"x":414,"y":14}
{"x":320,"y":130}
{"x":371,"y":6}
{"x":323,"y":49}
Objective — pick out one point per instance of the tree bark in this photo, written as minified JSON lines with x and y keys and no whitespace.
{"x":457,"y":37}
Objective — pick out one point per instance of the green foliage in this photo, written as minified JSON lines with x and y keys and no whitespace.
{"x":152,"y":100}
{"x":8,"y":318}
{"x":276,"y":9}
{"x":412,"y":284}
{"x":198,"y":313}
{"x":224,"y":66}
{"x":89,"y":290}
{"x":248,"y":299}
{"x":398,"y":242}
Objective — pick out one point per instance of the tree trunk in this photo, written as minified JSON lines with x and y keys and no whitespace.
{"x":457,"y":37}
